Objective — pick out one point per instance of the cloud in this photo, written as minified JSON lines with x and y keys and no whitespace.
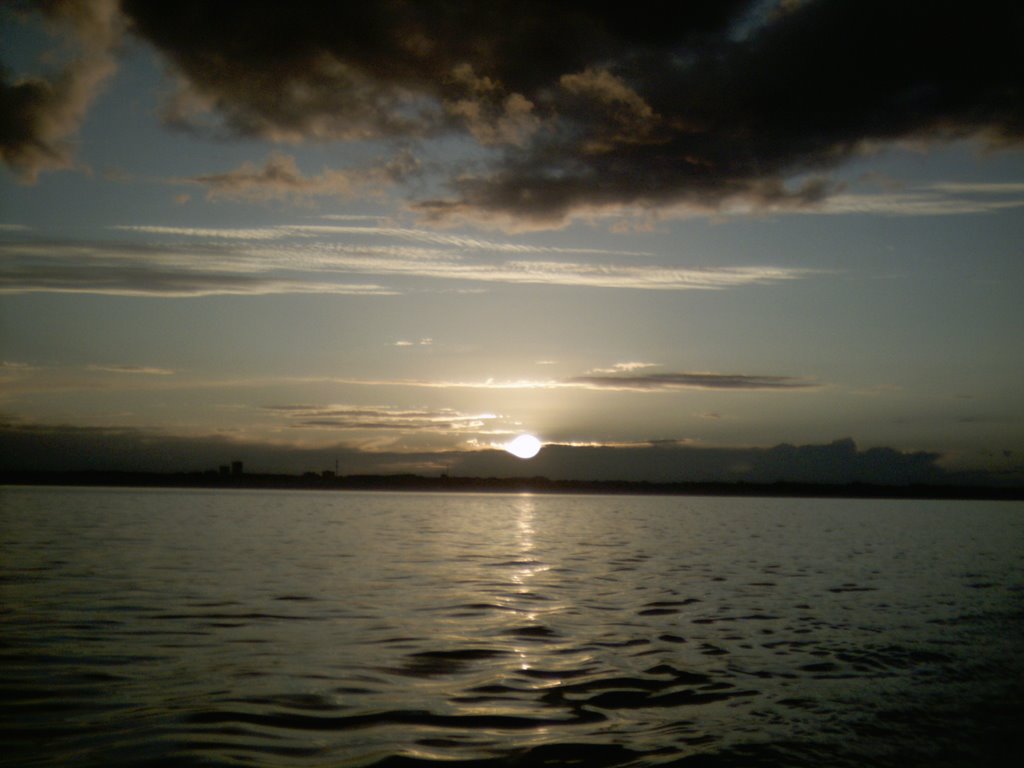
{"x":281,"y":179}
{"x":654,"y":382}
{"x":40,"y":115}
{"x":584,"y":108}
{"x":382,"y":417}
{"x":132,"y":369}
{"x":65,"y":447}
{"x":979,"y":188}
{"x":671,"y":461}
{"x":939,"y":199}
{"x":625,"y":367}
{"x":576,"y":274}
{"x":449,"y":383}
{"x":672,"y":381}
{"x":460,"y":242}
{"x":210,"y":233}
{"x":493,"y":122}
{"x":424,"y":342}
{"x":127,"y":269}
{"x":303,"y":260}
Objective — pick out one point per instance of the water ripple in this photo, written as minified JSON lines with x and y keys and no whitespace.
{"x":224,"y":629}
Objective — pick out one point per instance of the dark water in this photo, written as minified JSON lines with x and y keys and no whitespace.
{"x":302,"y":629}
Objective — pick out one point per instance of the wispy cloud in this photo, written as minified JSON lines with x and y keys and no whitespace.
{"x":382,"y":417}
{"x":301,"y":260}
{"x":940,"y":199}
{"x":281,"y":179}
{"x":578,"y":274}
{"x":489,"y":383}
{"x":352,"y":217}
{"x":979,"y":188}
{"x":936,"y":199}
{"x":159,"y":271}
{"x":460,"y":242}
{"x":654,"y":382}
{"x":143,"y":370}
{"x":446,"y":240}
{"x":627,"y":367}
{"x":208,"y":233}
{"x":425,"y":342}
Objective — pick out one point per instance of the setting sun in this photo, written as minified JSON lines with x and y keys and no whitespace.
{"x":524,"y":446}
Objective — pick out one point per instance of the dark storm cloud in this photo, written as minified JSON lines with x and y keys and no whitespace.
{"x":604,"y":104}
{"x":384,"y":68}
{"x":668,"y":381}
{"x":40,"y":114}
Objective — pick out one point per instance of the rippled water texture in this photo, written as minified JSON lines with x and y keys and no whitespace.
{"x":339,"y":629}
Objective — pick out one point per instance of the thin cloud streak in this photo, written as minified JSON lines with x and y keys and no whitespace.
{"x":382,"y":417}
{"x":132,"y":369}
{"x":934,"y":200}
{"x":654,"y":382}
{"x":257,"y":233}
{"x":68,"y":379}
{"x":150,"y":270}
{"x":579,"y":274}
{"x":432,"y":237}
{"x":627,"y":367}
{"x":232,"y":267}
{"x":658,"y":382}
{"x":455,"y":241}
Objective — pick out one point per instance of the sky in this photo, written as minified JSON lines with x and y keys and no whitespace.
{"x":722,"y":239}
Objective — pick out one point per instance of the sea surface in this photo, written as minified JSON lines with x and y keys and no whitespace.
{"x":229,"y":628}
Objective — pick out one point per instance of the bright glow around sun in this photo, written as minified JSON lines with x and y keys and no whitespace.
{"x":524,"y":446}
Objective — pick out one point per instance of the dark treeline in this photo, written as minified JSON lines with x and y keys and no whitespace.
{"x":411,"y":482}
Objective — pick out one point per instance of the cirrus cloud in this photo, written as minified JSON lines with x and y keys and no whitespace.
{"x":197,"y":262}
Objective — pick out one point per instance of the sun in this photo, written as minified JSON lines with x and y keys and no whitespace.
{"x":524,"y":446}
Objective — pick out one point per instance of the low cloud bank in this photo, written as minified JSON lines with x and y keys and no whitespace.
{"x":837,"y":462}
{"x":33,"y":447}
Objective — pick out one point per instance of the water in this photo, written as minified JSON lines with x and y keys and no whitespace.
{"x":217,"y":628}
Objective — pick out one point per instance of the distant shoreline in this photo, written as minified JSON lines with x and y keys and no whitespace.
{"x":410,"y":482}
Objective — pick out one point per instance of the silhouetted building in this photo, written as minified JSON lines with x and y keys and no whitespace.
{"x":236,"y":467}
{"x":225,"y":469}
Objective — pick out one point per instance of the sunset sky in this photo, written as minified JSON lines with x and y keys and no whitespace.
{"x":666,"y":240}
